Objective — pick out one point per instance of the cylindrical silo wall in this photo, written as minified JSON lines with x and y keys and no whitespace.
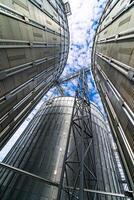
{"x":113,"y":69}
{"x":39,"y":150}
{"x":34,"y":41}
{"x":106,"y":171}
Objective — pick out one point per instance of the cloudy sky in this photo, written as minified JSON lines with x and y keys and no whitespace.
{"x":82,"y":25}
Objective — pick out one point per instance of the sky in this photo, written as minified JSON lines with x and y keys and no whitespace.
{"x":82,"y":25}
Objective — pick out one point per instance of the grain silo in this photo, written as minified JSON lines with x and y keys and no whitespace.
{"x":113,"y":69}
{"x":34,"y":43}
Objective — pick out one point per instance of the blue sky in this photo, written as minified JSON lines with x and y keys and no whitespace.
{"x":82,"y":25}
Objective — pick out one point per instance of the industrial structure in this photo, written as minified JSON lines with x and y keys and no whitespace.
{"x":34,"y":44}
{"x":113,"y":69}
{"x":65,"y":153}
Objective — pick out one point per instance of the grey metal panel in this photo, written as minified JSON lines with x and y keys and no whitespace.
{"x":42,"y":151}
{"x":29,"y":32}
{"x":123,"y":85}
{"x":114,"y":42}
{"x":124,"y":120}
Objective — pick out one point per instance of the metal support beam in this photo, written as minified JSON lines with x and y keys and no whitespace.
{"x":56,"y":184}
{"x":72,"y":76}
{"x":60,"y":81}
{"x":23,"y":172}
{"x":75,"y":160}
{"x":81,"y":195}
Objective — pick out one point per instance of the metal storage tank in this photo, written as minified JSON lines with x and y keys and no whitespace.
{"x":41,"y":148}
{"x":113,"y":69}
{"x":34,"y":44}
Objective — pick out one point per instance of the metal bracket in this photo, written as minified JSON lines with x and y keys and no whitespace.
{"x":26,"y":19}
{"x":3,"y":75}
{"x":131,"y":75}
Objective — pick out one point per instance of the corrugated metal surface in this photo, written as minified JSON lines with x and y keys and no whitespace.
{"x":113,"y":69}
{"x":34,"y":42}
{"x":41,"y":148}
{"x":106,"y":172}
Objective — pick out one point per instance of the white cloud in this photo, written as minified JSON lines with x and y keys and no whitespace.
{"x":82,"y":24}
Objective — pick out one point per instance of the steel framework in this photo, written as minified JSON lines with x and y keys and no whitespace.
{"x":83,"y":165}
{"x":72,"y":76}
{"x":80,"y":161}
{"x":67,"y":78}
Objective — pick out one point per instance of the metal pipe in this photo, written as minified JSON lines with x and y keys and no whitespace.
{"x":56,"y":184}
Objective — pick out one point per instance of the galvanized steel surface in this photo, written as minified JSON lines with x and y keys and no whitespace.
{"x":113,"y":69}
{"x":39,"y":150}
{"x":34,"y":43}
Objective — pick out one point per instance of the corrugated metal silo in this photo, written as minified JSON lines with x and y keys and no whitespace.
{"x":34,"y":42}
{"x":113,"y":69}
{"x":41,"y":150}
